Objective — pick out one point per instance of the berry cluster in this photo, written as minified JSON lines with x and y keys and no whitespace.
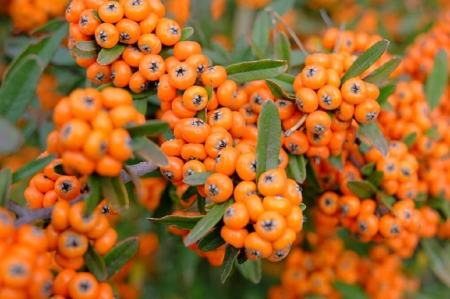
{"x":315,"y":272}
{"x":25,"y":264}
{"x":28,"y":15}
{"x":47,"y":187}
{"x":90,"y":135}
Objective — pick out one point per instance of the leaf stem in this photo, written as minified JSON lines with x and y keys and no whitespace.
{"x":296,"y":126}
{"x":326,"y":18}
{"x":338,"y":42}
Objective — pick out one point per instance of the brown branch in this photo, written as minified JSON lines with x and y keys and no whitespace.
{"x":27,"y":216}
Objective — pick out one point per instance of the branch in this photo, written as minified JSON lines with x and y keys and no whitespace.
{"x":27,"y":216}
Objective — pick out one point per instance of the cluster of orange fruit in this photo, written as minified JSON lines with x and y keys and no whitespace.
{"x":47,"y":187}
{"x":315,"y":271}
{"x":28,"y":15}
{"x":90,"y":135}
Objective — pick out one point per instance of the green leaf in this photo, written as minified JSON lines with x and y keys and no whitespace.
{"x":108,"y":56}
{"x":368,"y":169}
{"x":117,"y":257}
{"x":311,"y":178}
{"x":141,"y":106}
{"x":255,"y":70}
{"x":87,"y":46}
{"x":336,"y":162}
{"x":115,"y":191}
{"x":186,"y":33}
{"x":5,"y":183}
{"x":437,"y":259}
{"x":410,"y":139}
{"x":387,"y":200}
{"x":286,"y":81}
{"x":95,"y":194}
{"x":297,"y":167}
{"x":385,"y":92}
{"x":201,"y":203}
{"x":103,"y":86}
{"x":31,"y":168}
{"x":211,"y":241}
{"x":260,"y":34}
{"x":51,"y":26}
{"x":207,"y":223}
{"x":373,"y":133}
{"x":365,"y":60}
{"x":303,"y":206}
{"x":145,"y":94}
{"x":283,"y":48}
{"x":197,"y":179}
{"x":190,"y":191}
{"x":297,"y":58}
{"x":181,"y":222}
{"x":149,"y":151}
{"x":251,"y":270}
{"x":95,"y":264}
{"x":375,"y":178}
{"x":11,"y":138}
{"x":58,"y":168}
{"x":231,"y":254}
{"x":362,"y":189}
{"x":437,"y":79}
{"x":150,"y":127}
{"x":441,"y":205}
{"x":282,"y":6}
{"x":83,"y":54}
{"x":350,"y":291}
{"x":268,"y":144}
{"x":278,"y":91}
{"x":23,"y":74}
{"x":433,"y":134}
{"x":96,"y":16}
{"x":382,"y":73}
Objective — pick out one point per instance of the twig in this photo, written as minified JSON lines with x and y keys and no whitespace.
{"x":354,"y":161}
{"x":338,"y":42}
{"x":296,"y":126}
{"x":25,"y":216}
{"x":326,"y":18}
{"x":289,"y":29}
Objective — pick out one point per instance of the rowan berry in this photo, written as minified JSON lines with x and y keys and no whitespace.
{"x":218,"y":187}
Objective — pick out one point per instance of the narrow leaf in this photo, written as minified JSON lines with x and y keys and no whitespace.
{"x":108,"y":56}
{"x":231,"y":254}
{"x":441,"y":205}
{"x":269,"y":138}
{"x":207,"y":223}
{"x":87,"y":46}
{"x":436,"y":260}
{"x":282,"y":6}
{"x":303,"y":206}
{"x":5,"y":183}
{"x":11,"y":138}
{"x":368,"y":168}
{"x":95,"y":264}
{"x":278,"y":91}
{"x":141,"y":106}
{"x":283,"y":48}
{"x":410,"y":139}
{"x":51,"y":26}
{"x":260,"y":34}
{"x":255,"y":70}
{"x":186,"y":33}
{"x":117,"y":257}
{"x":437,"y":79}
{"x":375,"y":136}
{"x":150,"y":127}
{"x":286,"y":81}
{"x":115,"y":191}
{"x":365,"y":60}
{"x":191,"y":191}
{"x":31,"y":168}
{"x":375,"y":178}
{"x":149,"y":151}
{"x":211,"y":241}
{"x":350,"y":291}
{"x":382,"y":73}
{"x":385,"y":92}
{"x":251,"y":270}
{"x":95,"y":194}
{"x":197,"y":179}
{"x":387,"y":200}
{"x":22,"y":77}
{"x":181,"y":222}
{"x":297,"y":166}
{"x":83,"y":54}
{"x":362,"y":189}
{"x":336,"y":162}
